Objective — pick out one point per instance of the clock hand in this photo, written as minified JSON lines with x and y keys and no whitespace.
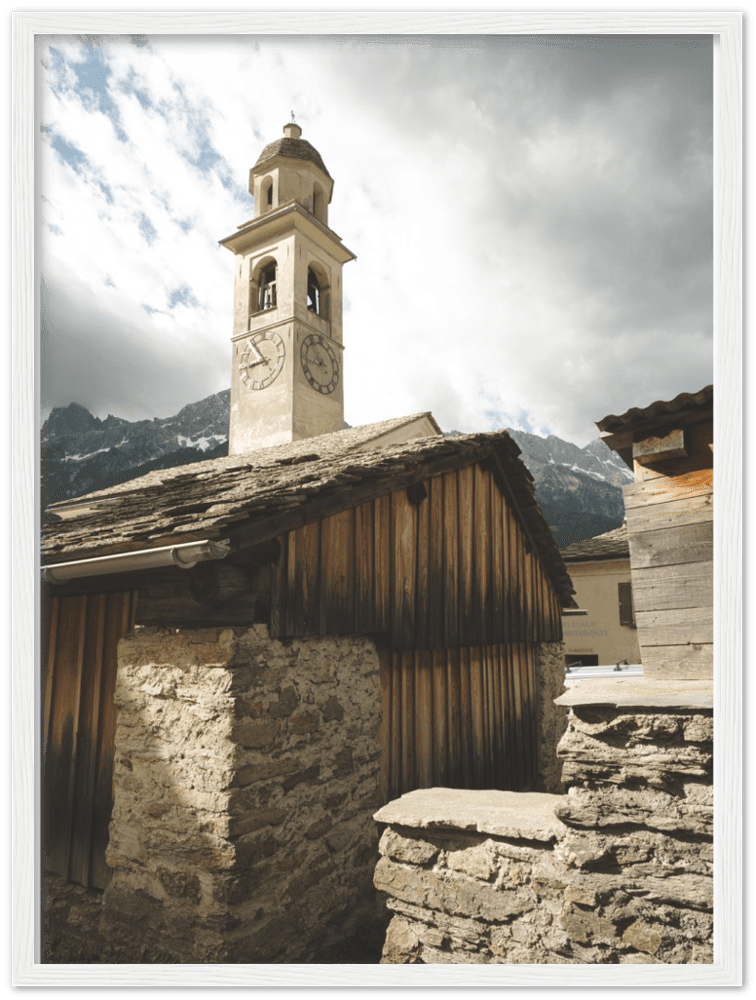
{"x":258,"y":357}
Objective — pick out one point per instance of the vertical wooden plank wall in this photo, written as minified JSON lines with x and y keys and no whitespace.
{"x":452,"y":569}
{"x":80,"y":730}
{"x":433,"y":737}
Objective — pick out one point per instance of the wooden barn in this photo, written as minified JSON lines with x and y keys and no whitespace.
{"x":431,"y":553}
{"x":669,"y":446}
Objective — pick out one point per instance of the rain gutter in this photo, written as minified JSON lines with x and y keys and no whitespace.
{"x":185,"y":556}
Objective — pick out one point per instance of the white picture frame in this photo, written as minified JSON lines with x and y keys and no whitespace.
{"x":726,"y":29}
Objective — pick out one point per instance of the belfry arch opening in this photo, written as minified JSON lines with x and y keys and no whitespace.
{"x":262,"y":293}
{"x":317,"y":292}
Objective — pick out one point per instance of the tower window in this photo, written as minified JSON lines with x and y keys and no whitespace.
{"x":267,"y":194}
{"x":313,"y":292}
{"x":268,"y":287}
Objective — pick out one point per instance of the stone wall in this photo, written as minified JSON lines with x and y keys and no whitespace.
{"x":246,"y":773}
{"x":618,"y":870}
{"x":552,"y":718}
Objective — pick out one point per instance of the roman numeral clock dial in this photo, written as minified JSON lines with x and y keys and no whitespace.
{"x":319,"y":363}
{"x":262,"y":360}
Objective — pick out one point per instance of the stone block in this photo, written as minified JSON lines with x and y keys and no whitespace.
{"x":642,"y":937}
{"x":248,"y":822}
{"x":407,"y":849}
{"x":477,"y":861}
{"x":256,"y":735}
{"x":303,"y":723}
{"x":333,"y":710}
{"x":458,"y":895}
{"x":285,"y":705}
{"x":308,"y":775}
{"x":316,"y":830}
{"x":182,"y":885}
{"x":402,"y":943}
{"x":587,"y":926}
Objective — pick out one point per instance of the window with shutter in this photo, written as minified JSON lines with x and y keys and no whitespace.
{"x":626,"y":615}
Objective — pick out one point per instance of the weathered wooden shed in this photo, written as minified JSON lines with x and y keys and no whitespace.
{"x":431,"y":553}
{"x":669,"y":446}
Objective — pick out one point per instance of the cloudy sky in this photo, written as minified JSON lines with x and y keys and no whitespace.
{"x":532,"y":218}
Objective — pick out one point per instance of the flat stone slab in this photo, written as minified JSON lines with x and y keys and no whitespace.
{"x":640,"y":693}
{"x":519,"y":815}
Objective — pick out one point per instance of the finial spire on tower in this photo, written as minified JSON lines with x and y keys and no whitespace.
{"x":291,"y":129}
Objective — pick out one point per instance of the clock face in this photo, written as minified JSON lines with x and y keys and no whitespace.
{"x":319,"y":363}
{"x":262,"y":360}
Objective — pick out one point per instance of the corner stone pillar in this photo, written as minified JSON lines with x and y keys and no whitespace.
{"x":245,"y":775}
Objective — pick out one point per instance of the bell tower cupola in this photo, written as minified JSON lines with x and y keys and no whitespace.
{"x":287,"y":341}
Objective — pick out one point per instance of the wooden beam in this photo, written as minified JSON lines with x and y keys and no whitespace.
{"x":683,"y":586}
{"x":687,"y":661}
{"x":675,"y":626}
{"x":691,"y":543}
{"x":653,"y":449}
{"x":183,"y":612}
{"x":215,"y":583}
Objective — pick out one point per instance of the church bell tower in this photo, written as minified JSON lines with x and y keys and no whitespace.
{"x":287,"y":347}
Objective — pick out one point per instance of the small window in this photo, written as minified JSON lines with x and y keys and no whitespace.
{"x":269,"y":195}
{"x":317,"y":202}
{"x":268,"y":287}
{"x":313,"y":292}
{"x":625,"y":595}
{"x":581,"y":660}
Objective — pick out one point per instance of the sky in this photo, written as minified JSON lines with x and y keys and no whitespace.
{"x":532,"y":218}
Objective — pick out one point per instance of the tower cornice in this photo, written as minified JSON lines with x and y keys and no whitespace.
{"x":283,"y":220}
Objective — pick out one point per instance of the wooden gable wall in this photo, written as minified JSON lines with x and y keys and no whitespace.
{"x":443,"y":564}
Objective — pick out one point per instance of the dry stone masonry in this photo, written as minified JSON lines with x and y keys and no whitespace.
{"x":246,"y":773}
{"x":618,"y":870}
{"x":552,"y":718}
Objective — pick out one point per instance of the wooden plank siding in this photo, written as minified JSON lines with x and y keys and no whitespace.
{"x":453,"y":569}
{"x":449,"y":718}
{"x":670,"y":534}
{"x":80,"y":718}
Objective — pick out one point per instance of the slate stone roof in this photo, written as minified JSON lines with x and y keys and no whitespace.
{"x":610,"y":545}
{"x":267,"y":492}
{"x":296,"y":149}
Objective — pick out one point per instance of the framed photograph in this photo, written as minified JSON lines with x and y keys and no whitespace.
{"x":539,"y":220}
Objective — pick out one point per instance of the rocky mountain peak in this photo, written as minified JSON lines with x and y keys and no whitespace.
{"x":67,"y":420}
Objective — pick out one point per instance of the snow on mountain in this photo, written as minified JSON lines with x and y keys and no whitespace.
{"x":81,"y":453}
{"x":595,"y":459}
{"x":578,"y":489}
